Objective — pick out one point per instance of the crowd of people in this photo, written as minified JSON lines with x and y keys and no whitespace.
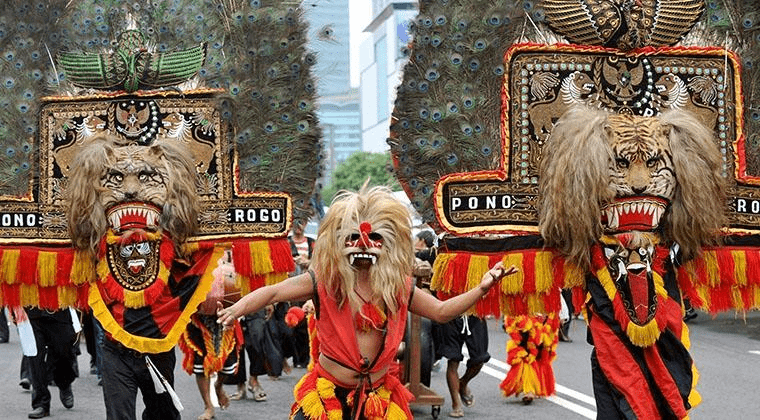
{"x":238,"y":345}
{"x":262,"y":342}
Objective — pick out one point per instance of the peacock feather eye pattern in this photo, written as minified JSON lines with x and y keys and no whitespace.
{"x":447,"y":110}
{"x":440,"y":126}
{"x":255,"y":53}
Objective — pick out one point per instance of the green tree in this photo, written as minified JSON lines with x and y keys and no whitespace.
{"x":351,"y":174}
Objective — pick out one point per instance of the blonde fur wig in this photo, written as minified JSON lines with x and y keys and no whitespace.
{"x":578,"y":178}
{"x":105,"y":174}
{"x":389,"y":218}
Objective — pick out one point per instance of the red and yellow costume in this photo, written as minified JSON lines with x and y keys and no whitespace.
{"x":315,"y":394}
{"x":530,"y":352}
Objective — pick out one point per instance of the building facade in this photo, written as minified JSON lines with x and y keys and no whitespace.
{"x":383,"y":56}
{"x":338,"y":104}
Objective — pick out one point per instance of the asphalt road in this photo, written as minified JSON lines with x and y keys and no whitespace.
{"x":726,"y":350}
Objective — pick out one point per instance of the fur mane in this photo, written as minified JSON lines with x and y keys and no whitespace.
{"x":575,"y":184}
{"x":87,"y":221}
{"x":390,"y":218}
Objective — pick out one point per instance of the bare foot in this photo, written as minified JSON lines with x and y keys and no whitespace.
{"x":208,"y":414}
{"x":221,"y":396}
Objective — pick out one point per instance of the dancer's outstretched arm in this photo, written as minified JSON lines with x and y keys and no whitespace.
{"x":425,"y":304}
{"x":297,"y":288}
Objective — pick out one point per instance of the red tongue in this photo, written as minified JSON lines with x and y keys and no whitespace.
{"x":639,"y":286}
{"x":135,"y":269}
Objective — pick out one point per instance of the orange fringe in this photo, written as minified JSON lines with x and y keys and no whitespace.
{"x":530,"y":352}
{"x":213,"y":361}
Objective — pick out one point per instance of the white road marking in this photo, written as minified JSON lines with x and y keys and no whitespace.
{"x":755,"y":351}
{"x":498,"y":369}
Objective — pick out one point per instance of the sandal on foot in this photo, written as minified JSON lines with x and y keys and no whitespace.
{"x":240,"y":395}
{"x":258,"y":393}
{"x":456,"y":413}
{"x":467,"y":399}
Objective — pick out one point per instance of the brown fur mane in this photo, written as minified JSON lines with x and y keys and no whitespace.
{"x":575,"y":184}
{"x":87,"y":222}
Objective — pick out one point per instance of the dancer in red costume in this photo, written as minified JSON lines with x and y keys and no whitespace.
{"x":361,"y":286}
{"x":531,"y":349}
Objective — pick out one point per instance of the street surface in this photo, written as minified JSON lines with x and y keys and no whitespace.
{"x":726,"y":350}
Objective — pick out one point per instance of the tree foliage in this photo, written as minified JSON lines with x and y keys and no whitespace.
{"x":351,"y":174}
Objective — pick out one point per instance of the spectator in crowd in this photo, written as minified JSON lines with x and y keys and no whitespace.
{"x":55,"y":337}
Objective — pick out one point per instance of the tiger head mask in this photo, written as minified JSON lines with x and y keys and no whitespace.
{"x":133,"y":186}
{"x":604,"y":173}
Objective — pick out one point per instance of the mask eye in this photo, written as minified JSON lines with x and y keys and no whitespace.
{"x":354,"y":237}
{"x":143,"y":248}
{"x":126,"y":250}
{"x":375,"y":236}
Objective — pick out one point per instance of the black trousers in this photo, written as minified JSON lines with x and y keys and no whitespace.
{"x":4,"y":332}
{"x":124,"y":372}
{"x":55,"y":339}
{"x":264,"y":350}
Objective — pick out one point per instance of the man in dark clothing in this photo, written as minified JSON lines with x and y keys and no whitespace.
{"x":55,"y":337}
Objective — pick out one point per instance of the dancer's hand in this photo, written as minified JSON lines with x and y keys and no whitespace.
{"x":225,"y":316}
{"x":494,"y":276}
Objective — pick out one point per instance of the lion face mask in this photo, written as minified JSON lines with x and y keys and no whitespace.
{"x":131,"y":187}
{"x":641,"y":173}
{"x":605,"y":173}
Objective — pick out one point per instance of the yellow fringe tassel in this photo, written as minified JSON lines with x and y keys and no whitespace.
{"x":261,"y":259}
{"x":312,"y":405}
{"x":740,"y":267}
{"x":535,"y":304}
{"x":544,"y":272}
{"x":29,"y":295}
{"x":574,"y":276}
{"x":83,"y":268}
{"x":9,"y":265}
{"x":711,"y":264}
{"x":643,"y":336}
{"x":326,"y":390}
{"x":395,"y":412}
{"x":47,"y":265}
{"x":67,"y":296}
{"x":274,"y":278}
{"x":133,"y":299}
{"x":477,"y":267}
{"x":513,"y":284}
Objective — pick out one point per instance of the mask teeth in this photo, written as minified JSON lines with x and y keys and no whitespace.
{"x":353,"y":257}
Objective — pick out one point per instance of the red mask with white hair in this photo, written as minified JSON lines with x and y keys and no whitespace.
{"x":364,"y":245}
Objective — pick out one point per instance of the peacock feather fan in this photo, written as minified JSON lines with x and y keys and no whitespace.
{"x":735,"y":25}
{"x":446,"y":115}
{"x":271,"y":100}
{"x":254,"y":50}
{"x":25,"y":39}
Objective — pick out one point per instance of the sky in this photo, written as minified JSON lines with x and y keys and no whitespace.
{"x":360,"y":15}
